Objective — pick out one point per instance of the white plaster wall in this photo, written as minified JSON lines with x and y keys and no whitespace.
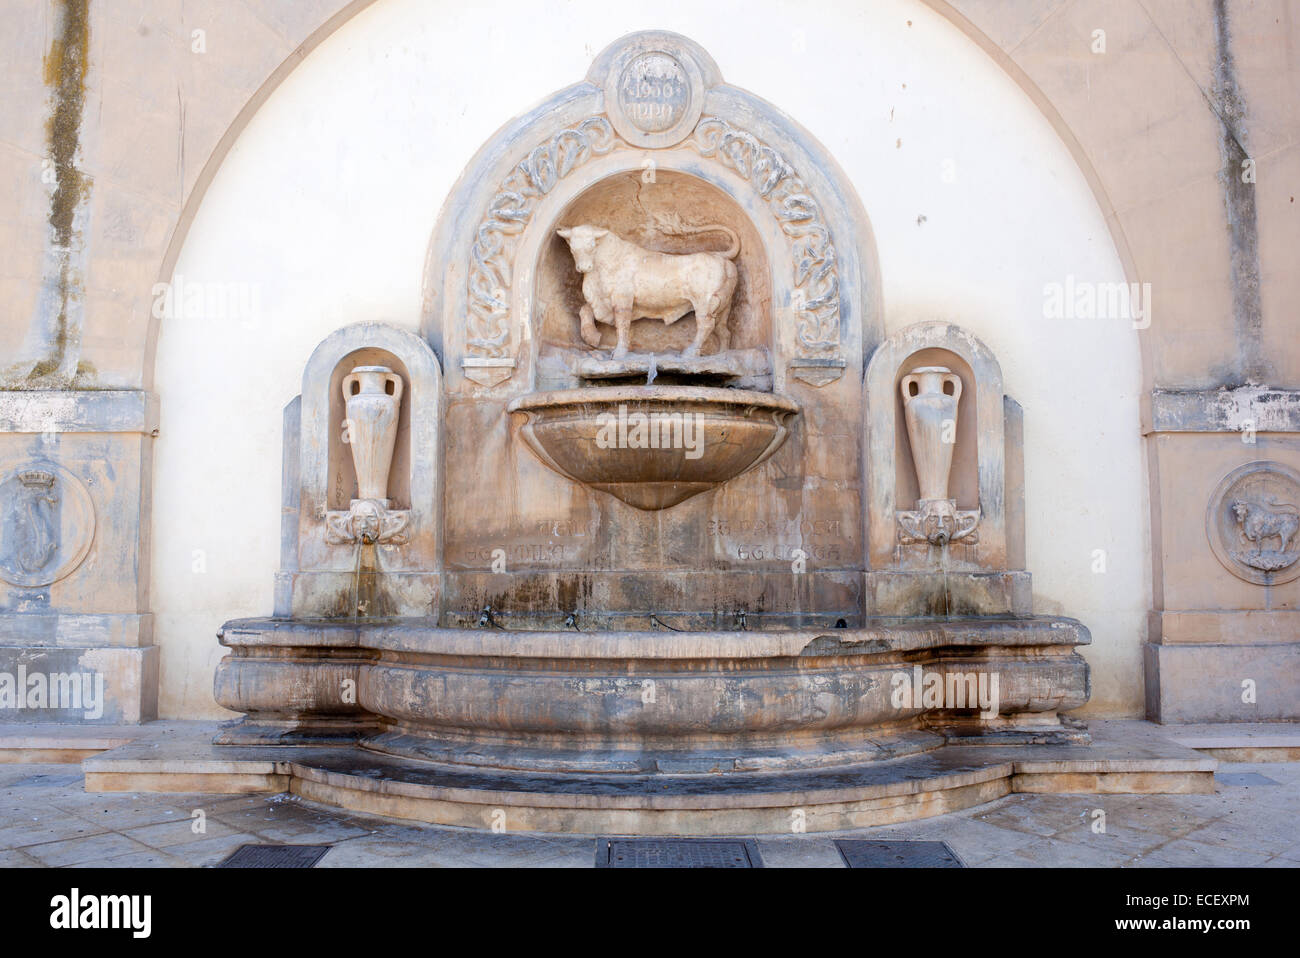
{"x":323,"y":209}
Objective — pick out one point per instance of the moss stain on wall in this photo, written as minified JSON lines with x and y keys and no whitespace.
{"x":65,"y":68}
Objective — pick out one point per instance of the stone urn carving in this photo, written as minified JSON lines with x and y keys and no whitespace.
{"x":372,"y":397}
{"x":930,"y":398}
{"x":931,"y":395}
{"x":372,"y":411}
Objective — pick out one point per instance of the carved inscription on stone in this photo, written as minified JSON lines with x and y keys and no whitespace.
{"x":654,"y":92}
{"x":796,"y":540}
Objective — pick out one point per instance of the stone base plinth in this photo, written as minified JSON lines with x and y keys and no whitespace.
{"x":1205,"y":682}
{"x":665,"y":701}
{"x":1125,"y":759}
{"x":78,"y":685}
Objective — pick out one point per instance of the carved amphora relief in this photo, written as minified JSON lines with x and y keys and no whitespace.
{"x":931,"y":395}
{"x":1253,"y":522}
{"x":372,"y":398}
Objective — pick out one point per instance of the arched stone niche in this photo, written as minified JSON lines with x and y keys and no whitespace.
{"x":341,"y":487}
{"x":653,"y":131}
{"x":645,"y":206}
{"x":480,"y":309}
{"x":963,"y":481}
{"x":982,"y":571}
{"x":322,"y":573}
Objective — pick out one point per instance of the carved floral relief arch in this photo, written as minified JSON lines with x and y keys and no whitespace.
{"x":812,"y":250}
{"x":819,"y":243}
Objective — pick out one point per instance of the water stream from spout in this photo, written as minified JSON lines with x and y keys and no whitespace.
{"x":651,"y":372}
{"x":356,"y":582}
{"x":947,"y":592}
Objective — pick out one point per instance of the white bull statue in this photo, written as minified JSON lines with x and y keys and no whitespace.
{"x":622,"y":282}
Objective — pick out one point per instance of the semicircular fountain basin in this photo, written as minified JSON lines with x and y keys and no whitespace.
{"x":654,"y":446}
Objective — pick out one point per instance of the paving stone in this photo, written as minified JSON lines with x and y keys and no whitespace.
{"x":290,"y":824}
{"x":47,"y":826}
{"x":1186,"y":854}
{"x":1292,"y":853}
{"x":1161,"y":817}
{"x":114,"y":815}
{"x":807,"y":852}
{"x":180,"y":832}
{"x":13,"y":858}
{"x":94,"y":849}
{"x":362,"y":853}
{"x":211,"y":850}
{"x":65,"y":826}
{"x":1244,"y":779}
{"x":1257,"y":830}
{"x":976,"y":841}
{"x":1042,"y":815}
{"x":146,"y":859}
{"x":1115,"y":840}
{"x":1049,"y":853}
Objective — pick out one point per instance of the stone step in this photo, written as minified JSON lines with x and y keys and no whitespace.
{"x":1129,"y":758}
{"x":1240,"y":742}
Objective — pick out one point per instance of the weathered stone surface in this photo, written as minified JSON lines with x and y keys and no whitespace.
{"x":629,"y":700}
{"x":322,"y":573}
{"x":690,"y":803}
{"x":75,"y":545}
{"x":101,"y":686}
{"x":1235,"y":682}
{"x":949,"y":516}
{"x":520,"y":622}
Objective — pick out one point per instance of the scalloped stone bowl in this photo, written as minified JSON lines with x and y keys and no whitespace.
{"x":654,"y":446}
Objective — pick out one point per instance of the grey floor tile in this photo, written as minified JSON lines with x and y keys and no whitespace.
{"x":212,"y":850}
{"x":168,"y":834}
{"x":806,"y":852}
{"x":95,"y":849}
{"x":1047,"y":853}
{"x":1181,"y":853}
{"x":47,"y":827}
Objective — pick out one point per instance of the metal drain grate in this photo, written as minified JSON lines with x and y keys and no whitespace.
{"x":276,"y":856}
{"x":677,"y":853}
{"x":863,"y":854}
{"x":1243,"y":778}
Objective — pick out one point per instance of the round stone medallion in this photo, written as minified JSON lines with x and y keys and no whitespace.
{"x":47,"y":522}
{"x":1253,"y":522}
{"x":654,"y":98}
{"x":654,"y":92}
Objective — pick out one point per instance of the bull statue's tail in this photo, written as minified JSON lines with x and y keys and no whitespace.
{"x":1273,"y":502}
{"x":672,"y":225}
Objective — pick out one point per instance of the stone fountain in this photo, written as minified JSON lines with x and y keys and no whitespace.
{"x":653,"y":529}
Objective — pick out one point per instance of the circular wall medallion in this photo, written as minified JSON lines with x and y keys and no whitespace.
{"x":1253,"y":522}
{"x":654,"y":98}
{"x":47,"y":522}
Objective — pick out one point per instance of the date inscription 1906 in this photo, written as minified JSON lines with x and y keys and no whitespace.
{"x":654,"y":92}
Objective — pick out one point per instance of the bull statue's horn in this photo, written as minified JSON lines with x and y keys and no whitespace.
{"x":566,"y":233}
